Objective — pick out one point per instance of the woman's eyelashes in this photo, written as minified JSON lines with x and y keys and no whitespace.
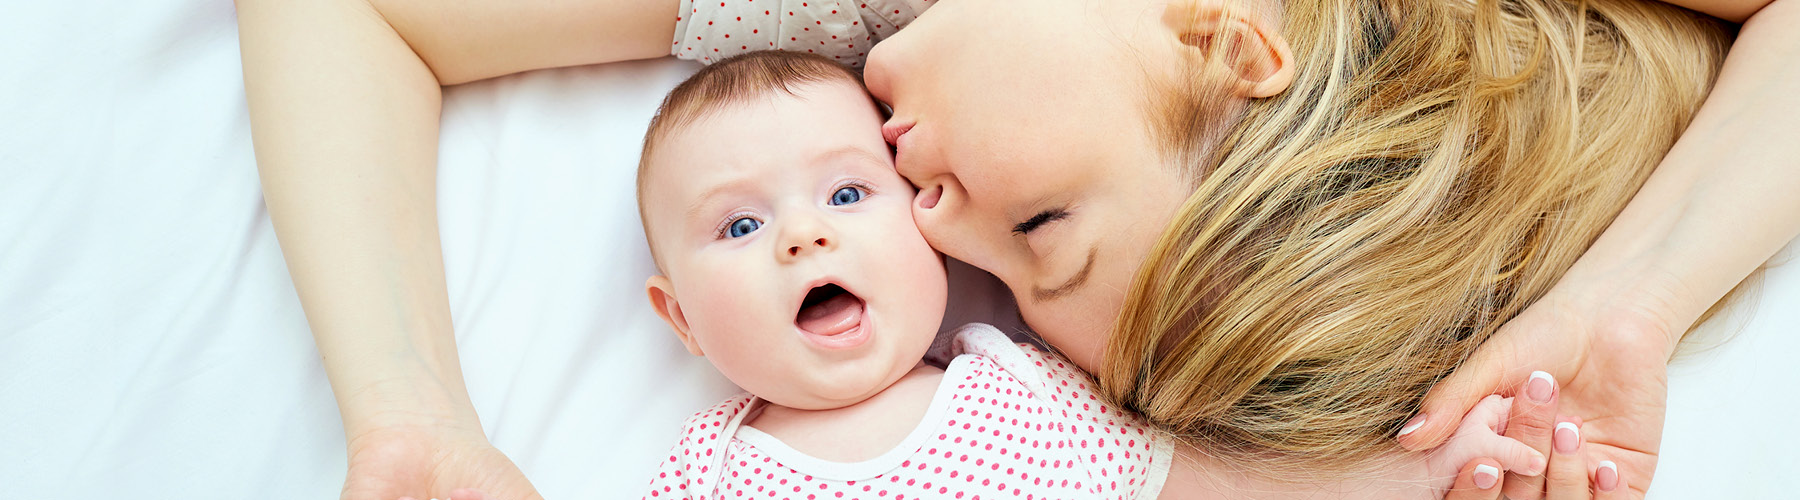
{"x":740,"y":225}
{"x":1036,"y":221}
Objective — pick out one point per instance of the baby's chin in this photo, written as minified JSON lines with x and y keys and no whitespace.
{"x":841,"y":387}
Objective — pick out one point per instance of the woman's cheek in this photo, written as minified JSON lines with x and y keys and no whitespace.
{"x":1079,"y":332}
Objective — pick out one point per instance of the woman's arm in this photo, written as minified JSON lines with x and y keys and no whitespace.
{"x":467,"y":40}
{"x":1723,"y":201}
{"x":1736,"y":11}
{"x":1719,"y":205}
{"x":344,"y":103}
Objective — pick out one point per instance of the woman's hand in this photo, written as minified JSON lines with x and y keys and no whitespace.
{"x":430,"y":463}
{"x":1533,"y":422}
{"x":1611,"y":359}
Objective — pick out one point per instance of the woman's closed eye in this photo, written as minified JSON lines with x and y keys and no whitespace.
{"x":1036,"y":221}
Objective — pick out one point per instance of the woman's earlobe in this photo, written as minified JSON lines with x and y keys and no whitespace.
{"x":1275,"y":71}
{"x":662,"y":298}
{"x":1235,"y":41}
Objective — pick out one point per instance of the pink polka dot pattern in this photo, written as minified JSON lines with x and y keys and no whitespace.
{"x":1010,"y":422}
{"x":712,"y":30}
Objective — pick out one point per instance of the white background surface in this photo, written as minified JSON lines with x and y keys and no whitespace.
{"x":151,"y":344}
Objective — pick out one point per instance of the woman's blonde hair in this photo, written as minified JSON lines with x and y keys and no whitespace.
{"x":1435,"y":167}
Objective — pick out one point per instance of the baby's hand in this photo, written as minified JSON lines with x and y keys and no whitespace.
{"x":1481,"y":436}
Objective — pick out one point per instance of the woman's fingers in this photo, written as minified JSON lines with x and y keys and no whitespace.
{"x":1567,"y":478}
{"x":1609,"y":484}
{"x":1532,"y":422}
{"x":1479,"y":480}
{"x":1483,"y":374}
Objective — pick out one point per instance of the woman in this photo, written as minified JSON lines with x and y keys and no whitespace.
{"x":364,"y":78}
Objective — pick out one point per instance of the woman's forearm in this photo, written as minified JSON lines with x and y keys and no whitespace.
{"x":1724,"y":200}
{"x":344,"y":117}
{"x":344,"y":103}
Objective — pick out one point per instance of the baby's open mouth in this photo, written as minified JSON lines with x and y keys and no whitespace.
{"x":829,"y":310}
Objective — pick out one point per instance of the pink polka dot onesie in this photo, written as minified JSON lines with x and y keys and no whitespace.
{"x":1008,"y":421}
{"x":712,"y":30}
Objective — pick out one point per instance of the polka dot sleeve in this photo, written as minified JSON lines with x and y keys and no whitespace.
{"x":685,"y":472}
{"x":712,"y":30}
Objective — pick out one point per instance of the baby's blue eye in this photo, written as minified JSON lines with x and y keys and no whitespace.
{"x":742,"y":227}
{"x":846,"y":195}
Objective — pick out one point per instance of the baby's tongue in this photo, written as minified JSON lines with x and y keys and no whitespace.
{"x":833,"y":316}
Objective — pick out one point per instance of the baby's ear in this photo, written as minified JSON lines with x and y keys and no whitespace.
{"x":662,"y":297}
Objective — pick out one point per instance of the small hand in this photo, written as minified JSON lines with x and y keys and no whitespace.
{"x":1479,"y":442}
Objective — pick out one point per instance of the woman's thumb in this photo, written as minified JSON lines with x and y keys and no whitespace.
{"x":1444,"y":406}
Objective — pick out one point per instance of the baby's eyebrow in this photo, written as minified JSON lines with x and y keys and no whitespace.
{"x":854,"y":152}
{"x":701,"y":202}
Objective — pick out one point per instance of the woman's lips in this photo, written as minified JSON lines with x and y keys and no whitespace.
{"x":891,"y":131}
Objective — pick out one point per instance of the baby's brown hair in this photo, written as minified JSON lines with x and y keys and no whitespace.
{"x":734,"y":80}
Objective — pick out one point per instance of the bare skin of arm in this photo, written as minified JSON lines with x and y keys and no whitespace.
{"x":344,"y":98}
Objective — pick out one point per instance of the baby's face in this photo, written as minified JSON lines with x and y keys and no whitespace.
{"x":793,"y":262}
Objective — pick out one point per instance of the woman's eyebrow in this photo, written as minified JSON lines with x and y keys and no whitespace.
{"x":1041,"y":294}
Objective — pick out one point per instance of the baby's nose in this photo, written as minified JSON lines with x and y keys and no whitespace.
{"x":794,"y":251}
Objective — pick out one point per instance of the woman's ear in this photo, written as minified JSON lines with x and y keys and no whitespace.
{"x":662,"y":297}
{"x":1225,"y":32}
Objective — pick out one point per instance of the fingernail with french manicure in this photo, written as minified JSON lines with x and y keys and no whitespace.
{"x":1411,"y":425}
{"x":1607,"y":476}
{"x":1568,"y":437}
{"x":1541,"y":386}
{"x":1486,"y":476}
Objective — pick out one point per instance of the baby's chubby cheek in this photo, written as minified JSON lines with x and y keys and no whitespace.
{"x":740,"y":321}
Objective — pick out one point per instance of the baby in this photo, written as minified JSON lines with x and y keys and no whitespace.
{"x":790,"y":260}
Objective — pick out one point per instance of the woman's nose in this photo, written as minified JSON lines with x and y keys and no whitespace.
{"x":942,"y":212}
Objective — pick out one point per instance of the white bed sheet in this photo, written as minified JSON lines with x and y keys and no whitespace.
{"x":151,"y":344}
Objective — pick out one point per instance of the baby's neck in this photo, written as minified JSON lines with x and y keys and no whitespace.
{"x":861,"y":431}
{"x":1196,"y":475}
